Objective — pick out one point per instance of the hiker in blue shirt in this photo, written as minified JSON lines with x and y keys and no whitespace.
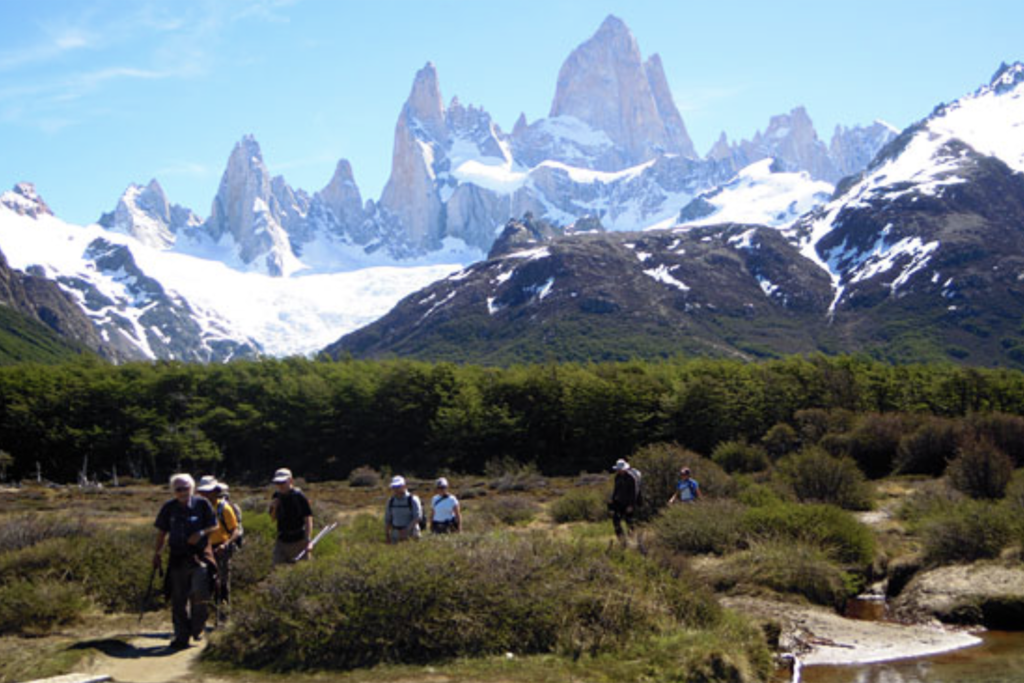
{"x":687,"y":489}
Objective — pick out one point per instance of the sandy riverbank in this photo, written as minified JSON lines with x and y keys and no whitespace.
{"x":819,"y":636}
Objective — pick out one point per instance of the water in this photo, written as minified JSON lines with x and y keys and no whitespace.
{"x":999,"y":659}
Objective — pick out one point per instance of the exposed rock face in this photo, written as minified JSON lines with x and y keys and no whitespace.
{"x":420,"y":133}
{"x":981,"y":593}
{"x":522,"y":234}
{"x":145,"y":214}
{"x":247,"y":210}
{"x":604,"y":83}
{"x":25,"y":201}
{"x":852,"y":149}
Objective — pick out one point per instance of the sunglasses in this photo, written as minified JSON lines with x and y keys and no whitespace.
{"x":181,"y":489}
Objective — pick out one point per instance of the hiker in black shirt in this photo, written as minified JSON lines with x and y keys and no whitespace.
{"x":290,"y":508}
{"x":184,"y":524}
{"x":625,"y":497}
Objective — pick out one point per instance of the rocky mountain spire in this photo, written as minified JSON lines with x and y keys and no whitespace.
{"x":678,"y":138}
{"x":342,"y":196}
{"x":25,"y":201}
{"x":605,"y":84}
{"x":410,"y":193}
{"x":246,"y":209}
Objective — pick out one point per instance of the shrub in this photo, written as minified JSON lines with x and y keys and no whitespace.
{"x":505,"y":510}
{"x":815,"y":476}
{"x":23,"y":531}
{"x":708,"y":526}
{"x":740,"y":456}
{"x":787,"y":566}
{"x":364,"y":477}
{"x":872,"y":443}
{"x":457,"y":596}
{"x":1005,"y":431}
{"x":34,"y":608}
{"x":825,"y":526}
{"x":581,"y":505}
{"x":814,"y":423}
{"x":780,"y":440}
{"x":506,"y":474}
{"x":660,"y":464}
{"x":929,"y":448}
{"x":980,"y":469}
{"x":972,"y":530}
{"x":931,"y":499}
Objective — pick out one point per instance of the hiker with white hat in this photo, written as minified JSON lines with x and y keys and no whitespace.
{"x":404,"y":513}
{"x":445,"y":514}
{"x":626,"y":496}
{"x":224,"y":538}
{"x":290,"y":508}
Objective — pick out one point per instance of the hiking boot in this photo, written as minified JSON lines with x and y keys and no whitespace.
{"x":198,"y":637}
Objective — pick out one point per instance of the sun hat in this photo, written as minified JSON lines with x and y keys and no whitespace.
{"x":442,"y":483}
{"x":282,"y":475}
{"x":620,"y":465}
{"x":685,"y":470}
{"x":207,"y":483}
{"x":397,"y":482}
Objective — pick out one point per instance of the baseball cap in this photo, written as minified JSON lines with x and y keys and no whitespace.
{"x":282,"y":475}
{"x":397,"y":482}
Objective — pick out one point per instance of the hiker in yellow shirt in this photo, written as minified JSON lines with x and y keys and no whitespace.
{"x":223,"y":540}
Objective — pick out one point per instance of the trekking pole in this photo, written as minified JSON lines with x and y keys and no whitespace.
{"x":323,"y":532}
{"x":157,"y":569}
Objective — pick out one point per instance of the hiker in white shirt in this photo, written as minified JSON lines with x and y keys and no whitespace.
{"x":445,"y":515}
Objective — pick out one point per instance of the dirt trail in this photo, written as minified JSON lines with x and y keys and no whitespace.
{"x":145,"y":659}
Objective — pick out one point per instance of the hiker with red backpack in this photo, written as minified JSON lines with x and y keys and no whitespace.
{"x":403,"y":517}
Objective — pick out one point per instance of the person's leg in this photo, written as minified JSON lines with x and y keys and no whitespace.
{"x":179,"y":578}
{"x":199,"y":597}
{"x":617,"y":521}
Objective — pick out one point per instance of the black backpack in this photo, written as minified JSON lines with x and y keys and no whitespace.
{"x":421,"y":522}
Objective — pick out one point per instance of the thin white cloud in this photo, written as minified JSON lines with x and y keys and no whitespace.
{"x":51,"y":48}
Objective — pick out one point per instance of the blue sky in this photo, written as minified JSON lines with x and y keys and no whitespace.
{"x":96,"y":95}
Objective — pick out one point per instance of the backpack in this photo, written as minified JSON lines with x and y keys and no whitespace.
{"x":638,"y":477}
{"x":421,"y":522}
{"x":238,"y":518}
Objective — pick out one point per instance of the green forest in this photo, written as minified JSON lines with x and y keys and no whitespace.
{"x":323,"y":419}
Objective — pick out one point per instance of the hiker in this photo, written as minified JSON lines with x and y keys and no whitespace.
{"x":403,"y":514}
{"x":626,"y":497}
{"x":687,"y":489}
{"x":224,"y":539}
{"x":445,"y":514}
{"x":290,"y":508}
{"x":184,"y":523}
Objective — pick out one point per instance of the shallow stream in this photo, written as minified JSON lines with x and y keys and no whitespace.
{"x":999,"y":659}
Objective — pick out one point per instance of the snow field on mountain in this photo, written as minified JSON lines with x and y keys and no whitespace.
{"x":297,"y":315}
{"x":990,"y":122}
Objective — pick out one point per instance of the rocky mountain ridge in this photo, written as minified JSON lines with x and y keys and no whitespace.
{"x":919,"y":257}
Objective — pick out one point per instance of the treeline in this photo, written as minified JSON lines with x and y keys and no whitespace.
{"x":243,"y":419}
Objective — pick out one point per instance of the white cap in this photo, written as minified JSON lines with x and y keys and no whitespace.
{"x":442,"y":483}
{"x":620,"y":465}
{"x":397,"y":482}
{"x":282,"y":475}
{"x":207,"y":484}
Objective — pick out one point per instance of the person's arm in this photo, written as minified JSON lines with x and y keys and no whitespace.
{"x":309,"y":535}
{"x":275,"y":502}
{"x":387,"y":522}
{"x":161,"y":537}
{"x":457,"y":511}
{"x":210,"y":521}
{"x":231,"y":524}
{"x":675,"y":496}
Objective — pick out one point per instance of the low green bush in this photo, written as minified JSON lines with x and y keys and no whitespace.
{"x":824,"y":526}
{"x":740,"y":456}
{"x":815,"y":476}
{"x":932,"y":498}
{"x":580,"y":505}
{"x":972,"y":530}
{"x":981,"y":469}
{"x":660,"y":464}
{"x":707,"y":526}
{"x":501,"y":511}
{"x":458,"y":596}
{"x":364,"y":476}
{"x":1003,"y":430}
{"x":787,"y":566}
{"x":35,"y":608}
{"x":780,"y":440}
{"x":507,"y":474}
